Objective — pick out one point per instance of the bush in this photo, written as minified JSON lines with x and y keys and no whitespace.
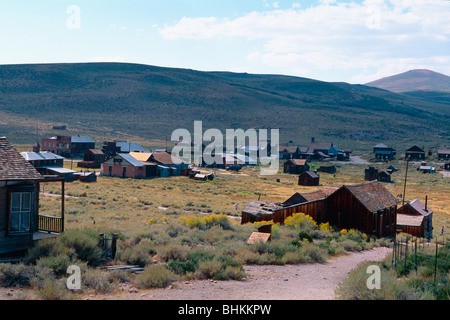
{"x":173,"y":252}
{"x":302,"y":222}
{"x":140,"y":254}
{"x":84,"y":244}
{"x":53,"y":290}
{"x":97,"y":280}
{"x":58,"y":264}
{"x":15,"y":275}
{"x":302,"y":235}
{"x":154,"y":276}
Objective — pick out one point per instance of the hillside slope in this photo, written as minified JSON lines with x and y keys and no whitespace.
{"x":414,"y":80}
{"x":118,"y":100}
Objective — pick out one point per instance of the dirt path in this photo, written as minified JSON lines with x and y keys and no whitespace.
{"x":291,"y":282}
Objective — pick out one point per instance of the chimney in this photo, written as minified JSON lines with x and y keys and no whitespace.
{"x":37,"y":147}
{"x":426,"y":203}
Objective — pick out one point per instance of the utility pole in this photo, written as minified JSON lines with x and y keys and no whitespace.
{"x":404,"y":187}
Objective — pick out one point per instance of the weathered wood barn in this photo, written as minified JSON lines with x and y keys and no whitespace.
{"x":20,"y":221}
{"x":309,"y":178}
{"x":296,"y":166}
{"x":367,"y":207}
{"x":416,"y":219}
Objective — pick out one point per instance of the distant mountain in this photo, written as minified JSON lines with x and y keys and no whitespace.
{"x":414,"y":80}
{"x":125,"y":101}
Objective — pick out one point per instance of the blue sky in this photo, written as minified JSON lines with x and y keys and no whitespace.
{"x":354,"y":41}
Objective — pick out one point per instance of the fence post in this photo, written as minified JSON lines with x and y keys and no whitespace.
{"x":114,"y":246}
{"x":415,"y":255}
{"x":393,"y":254}
{"x":406,"y":251}
{"x":435,"y":263}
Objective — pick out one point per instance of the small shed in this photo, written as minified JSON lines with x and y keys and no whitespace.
{"x":309,"y":178}
{"x":296,"y":166}
{"x":384,"y":176}
{"x":416,"y":219}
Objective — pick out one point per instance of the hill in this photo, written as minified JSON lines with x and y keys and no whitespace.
{"x":414,"y":80}
{"x":132,"y":101}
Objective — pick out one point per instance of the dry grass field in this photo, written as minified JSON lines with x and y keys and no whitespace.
{"x":127,"y":205}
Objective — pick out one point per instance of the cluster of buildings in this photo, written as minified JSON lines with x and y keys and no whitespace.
{"x":368,"y":207}
{"x":317,"y":150}
{"x":384,"y":153}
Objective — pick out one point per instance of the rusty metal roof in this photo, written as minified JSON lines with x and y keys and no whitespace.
{"x":13,"y":166}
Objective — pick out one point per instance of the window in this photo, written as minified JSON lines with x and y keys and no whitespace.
{"x":20,"y":212}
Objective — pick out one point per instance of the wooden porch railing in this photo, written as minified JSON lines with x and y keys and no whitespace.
{"x":50,"y":224}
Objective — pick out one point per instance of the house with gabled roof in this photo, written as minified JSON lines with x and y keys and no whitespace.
{"x":288,"y":152}
{"x":415,"y":154}
{"x":296,"y":166}
{"x":309,"y":178}
{"x":123,"y":165}
{"x":20,"y":221}
{"x":443,"y":154}
{"x":368,"y":207}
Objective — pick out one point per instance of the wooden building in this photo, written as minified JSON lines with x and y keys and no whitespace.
{"x":177,"y":166}
{"x":416,"y":219}
{"x":415,"y":154}
{"x":93,"y":158}
{"x":308,"y":178}
{"x":296,"y":166}
{"x":443,"y":154}
{"x":20,"y":221}
{"x":367,"y":207}
{"x":383,"y":152}
{"x":289,"y":152}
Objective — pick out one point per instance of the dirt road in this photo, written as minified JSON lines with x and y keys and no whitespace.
{"x":290,"y":282}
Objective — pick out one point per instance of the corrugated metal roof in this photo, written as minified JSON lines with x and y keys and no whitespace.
{"x":130,"y":159}
{"x":129,"y":146}
{"x":44,"y":155}
{"x":60,"y":170}
{"x":13,"y":166}
{"x":80,"y":139}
